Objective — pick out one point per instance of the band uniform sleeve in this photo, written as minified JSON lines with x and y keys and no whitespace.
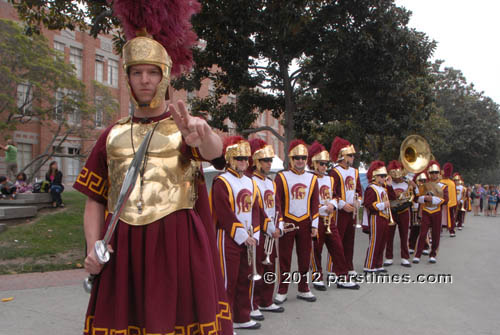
{"x":223,"y":210}
{"x":391,"y":193}
{"x":314,"y":205}
{"x":337,"y":192}
{"x":280,"y":196}
{"x":93,"y":179}
{"x":266,"y":225}
{"x":371,"y":201}
{"x":258,"y":216}
{"x":277,"y":207}
{"x":359,"y":188}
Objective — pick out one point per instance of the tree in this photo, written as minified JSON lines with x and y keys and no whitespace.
{"x":320,"y":65}
{"x":351,"y":64}
{"x":471,"y":143}
{"x":38,"y":86}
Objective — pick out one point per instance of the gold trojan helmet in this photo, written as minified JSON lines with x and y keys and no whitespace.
{"x":238,"y":149}
{"x":322,"y":156}
{"x":380,"y":171}
{"x":145,"y":50}
{"x":264,"y":152}
{"x":421,"y":178}
{"x":297,"y":148}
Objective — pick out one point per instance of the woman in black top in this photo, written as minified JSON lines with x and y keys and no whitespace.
{"x":54,"y":177}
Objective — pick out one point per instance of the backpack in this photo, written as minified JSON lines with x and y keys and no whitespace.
{"x":37,"y":187}
{"x":45,"y":186}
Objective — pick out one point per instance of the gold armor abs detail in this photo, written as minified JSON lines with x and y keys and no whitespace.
{"x":169,"y":177}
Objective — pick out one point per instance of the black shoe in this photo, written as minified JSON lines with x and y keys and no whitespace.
{"x":320,"y":287}
{"x":308,"y":299}
{"x":406,"y":265}
{"x":352,"y":287}
{"x":381,"y":271}
{"x":257,"y":317}
{"x":255,"y":326}
{"x":276,"y":310}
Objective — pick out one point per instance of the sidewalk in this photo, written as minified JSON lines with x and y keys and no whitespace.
{"x":55,"y":302}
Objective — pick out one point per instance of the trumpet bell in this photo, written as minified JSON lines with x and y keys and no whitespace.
{"x":415,"y":154}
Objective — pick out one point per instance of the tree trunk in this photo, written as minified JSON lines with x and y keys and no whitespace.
{"x":290,"y":108}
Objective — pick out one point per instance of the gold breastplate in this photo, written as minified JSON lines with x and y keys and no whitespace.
{"x":168,"y":180}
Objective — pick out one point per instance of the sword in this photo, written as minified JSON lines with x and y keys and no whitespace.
{"x":101,"y":246}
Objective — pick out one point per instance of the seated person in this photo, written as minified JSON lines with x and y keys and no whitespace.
{"x":54,"y":177}
{"x":7,"y":188}
{"x":21,"y":184}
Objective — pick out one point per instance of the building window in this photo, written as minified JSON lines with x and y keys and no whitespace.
{"x":58,"y":109}
{"x":24,"y":98}
{"x":113,"y":73}
{"x":99,"y":113}
{"x":76,"y":58}
{"x":99,"y":69}
{"x":62,"y":112}
{"x":74,"y":117}
{"x":59,"y":46}
{"x":24,"y":155}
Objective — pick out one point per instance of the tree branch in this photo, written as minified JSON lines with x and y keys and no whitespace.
{"x":264,"y":128}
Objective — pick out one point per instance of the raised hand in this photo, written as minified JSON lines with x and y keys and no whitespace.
{"x":193,"y":129}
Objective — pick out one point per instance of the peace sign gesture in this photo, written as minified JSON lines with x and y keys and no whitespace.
{"x":193,"y":129}
{"x":196,"y":132}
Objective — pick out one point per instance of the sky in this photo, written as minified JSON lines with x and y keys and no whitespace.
{"x":468,"y":37}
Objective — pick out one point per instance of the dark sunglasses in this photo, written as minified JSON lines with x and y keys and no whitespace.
{"x":267,"y":160}
{"x":434,"y":172}
{"x":297,"y":158}
{"x":241,"y":158}
{"x":323,"y":163}
{"x":382,"y":175}
{"x":350,"y":155}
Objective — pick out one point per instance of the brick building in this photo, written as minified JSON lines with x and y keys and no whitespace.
{"x":93,"y":59}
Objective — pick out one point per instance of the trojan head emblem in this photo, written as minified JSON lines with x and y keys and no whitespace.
{"x":244,"y":201}
{"x":324,"y":192}
{"x":299,"y":191}
{"x":269,"y":199}
{"x":398,"y":191}
{"x":349,"y":183}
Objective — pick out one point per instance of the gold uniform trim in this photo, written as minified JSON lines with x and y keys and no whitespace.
{"x":169,"y":177}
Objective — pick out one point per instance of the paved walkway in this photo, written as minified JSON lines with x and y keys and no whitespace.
{"x":55,"y":303}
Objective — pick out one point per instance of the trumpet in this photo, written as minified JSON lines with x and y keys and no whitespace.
{"x":268,"y":249}
{"x":389,"y":212}
{"x":252,"y":258}
{"x":328,"y":221}
{"x":462,"y":207}
{"x":289,"y":226}
{"x":355,"y":212}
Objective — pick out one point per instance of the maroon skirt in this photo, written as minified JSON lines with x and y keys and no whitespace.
{"x":162,"y":279}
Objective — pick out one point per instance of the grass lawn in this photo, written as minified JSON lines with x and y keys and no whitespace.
{"x":53,"y":240}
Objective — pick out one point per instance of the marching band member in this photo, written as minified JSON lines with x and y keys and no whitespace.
{"x":419,"y":179}
{"x":327,"y":229}
{"x":164,"y":275}
{"x":297,"y":194}
{"x":347,"y":191}
{"x":376,"y":216}
{"x":236,"y":211}
{"x":402,"y":217}
{"x":452,"y":194}
{"x":434,"y":197}
{"x":461,"y":200}
{"x":262,"y":294}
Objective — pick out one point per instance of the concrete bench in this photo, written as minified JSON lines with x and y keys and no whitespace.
{"x":17,"y":212}
{"x":38,"y":200}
